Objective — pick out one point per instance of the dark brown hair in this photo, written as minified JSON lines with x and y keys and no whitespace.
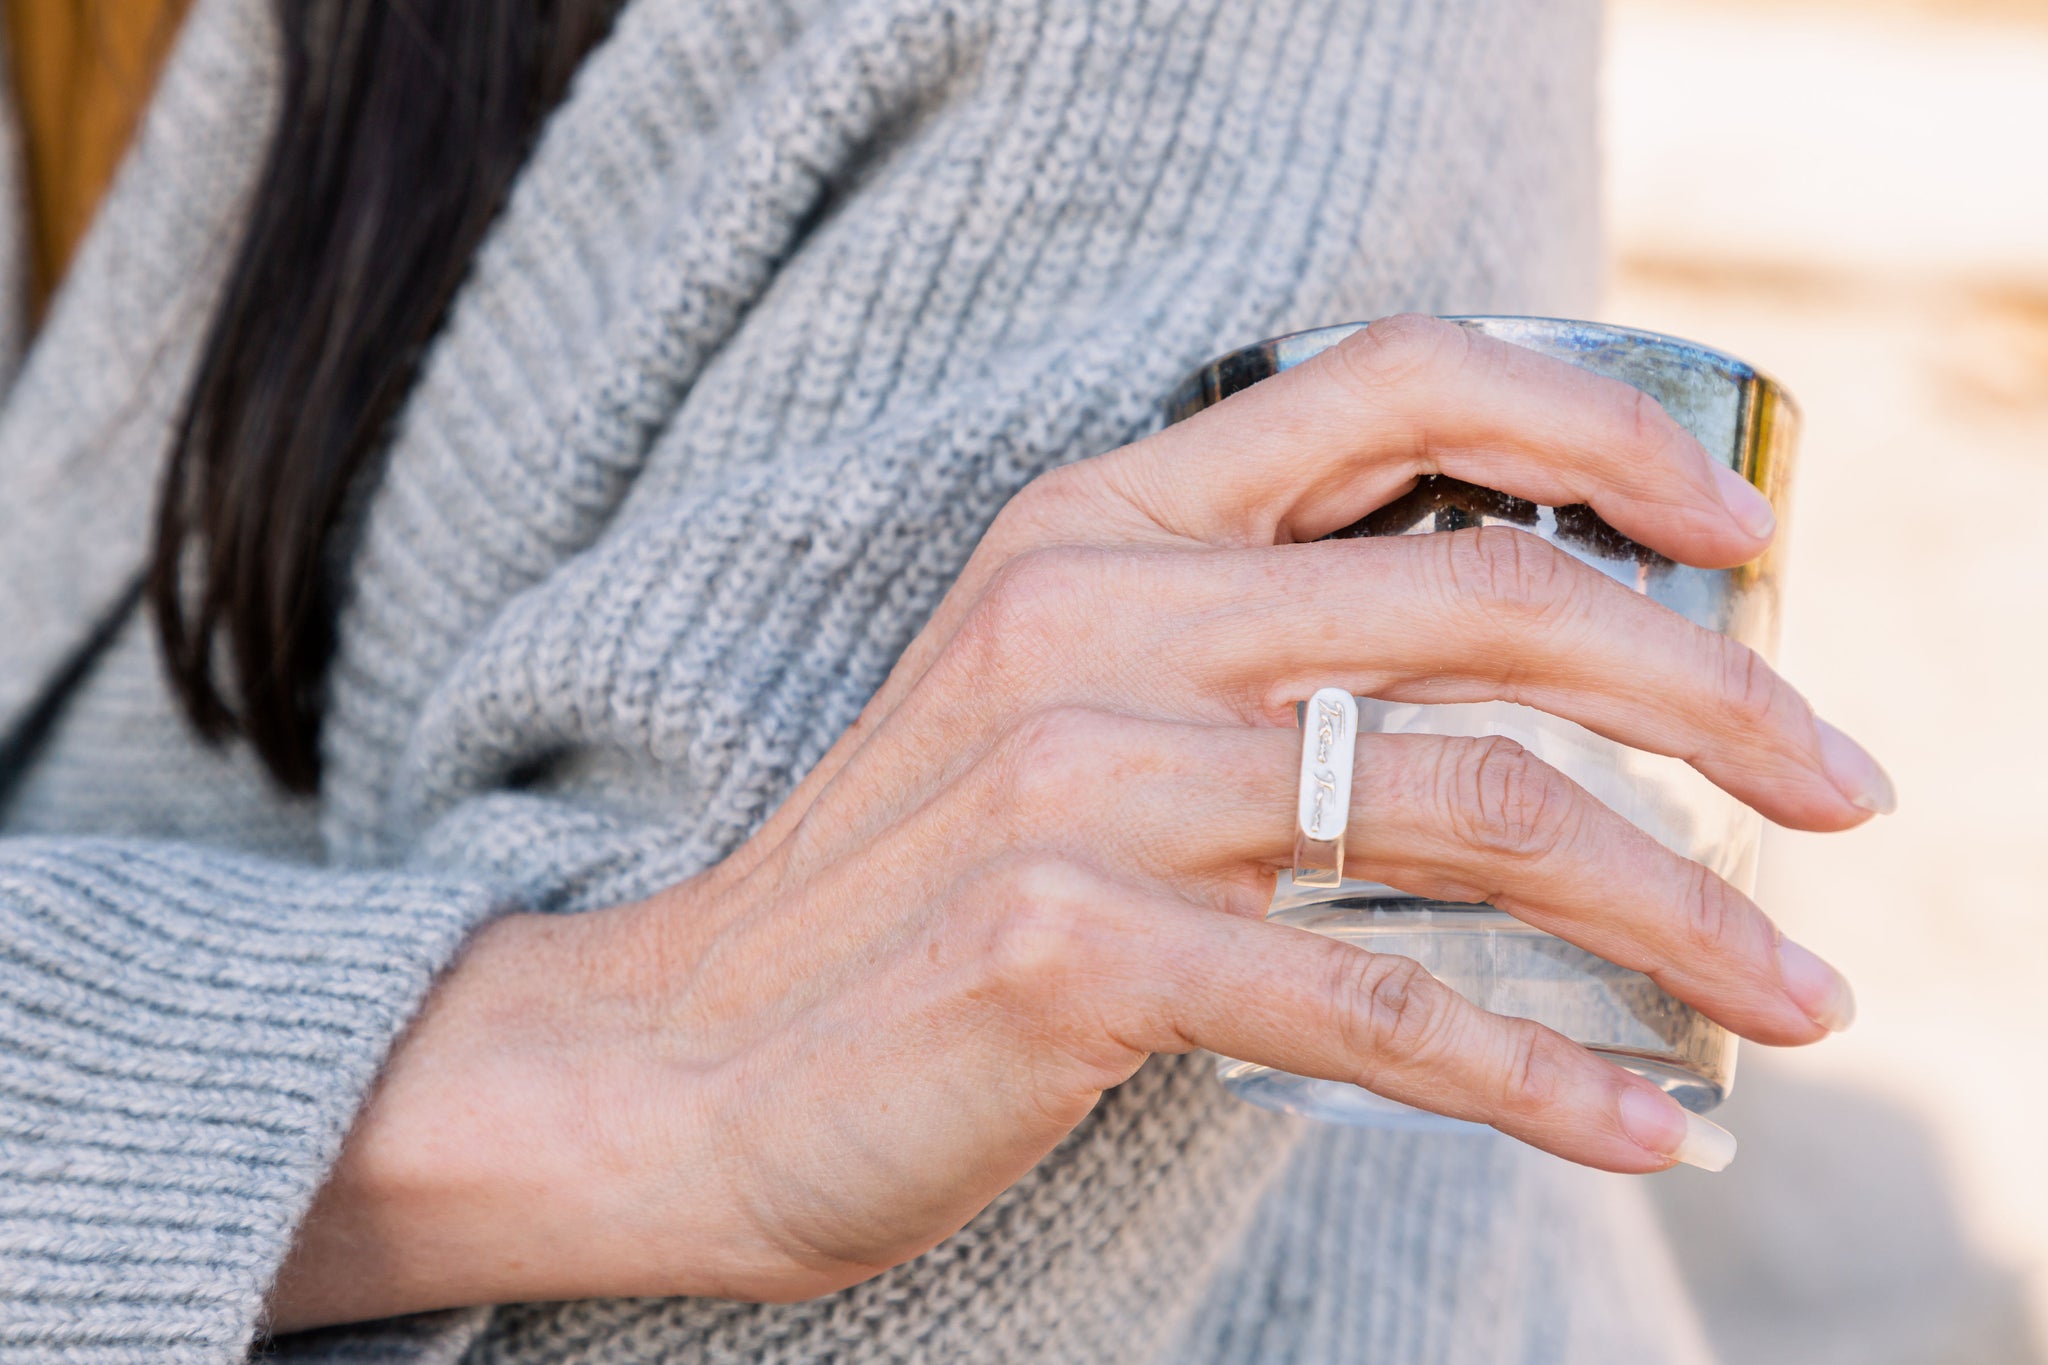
{"x":402,"y":125}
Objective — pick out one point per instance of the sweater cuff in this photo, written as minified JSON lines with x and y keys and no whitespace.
{"x":189,"y":1037}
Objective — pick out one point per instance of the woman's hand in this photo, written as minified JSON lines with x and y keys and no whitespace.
{"x":1045,"y":850}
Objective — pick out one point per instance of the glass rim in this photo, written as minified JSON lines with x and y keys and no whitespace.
{"x":1209,"y":383}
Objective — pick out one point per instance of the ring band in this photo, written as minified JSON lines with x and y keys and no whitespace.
{"x":1329,"y":727}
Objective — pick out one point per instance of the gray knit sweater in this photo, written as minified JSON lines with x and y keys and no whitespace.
{"x":790,"y":298}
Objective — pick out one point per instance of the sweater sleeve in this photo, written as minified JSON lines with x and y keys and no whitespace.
{"x":185,"y":1037}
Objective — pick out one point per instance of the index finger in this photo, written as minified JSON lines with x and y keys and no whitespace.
{"x":1319,"y":446}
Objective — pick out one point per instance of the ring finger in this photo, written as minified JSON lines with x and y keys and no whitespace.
{"x":1209,"y":810}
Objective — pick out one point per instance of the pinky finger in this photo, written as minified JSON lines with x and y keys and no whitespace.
{"x":1300,"y":1002}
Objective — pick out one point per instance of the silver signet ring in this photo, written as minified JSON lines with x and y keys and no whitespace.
{"x":1329,"y":731}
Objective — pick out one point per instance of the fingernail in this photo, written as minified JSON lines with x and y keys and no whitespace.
{"x":1854,"y":771}
{"x":1658,"y":1123}
{"x":1816,"y":987}
{"x":1746,"y":503}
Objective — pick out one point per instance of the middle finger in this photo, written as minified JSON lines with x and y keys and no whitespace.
{"x":1238,"y":636}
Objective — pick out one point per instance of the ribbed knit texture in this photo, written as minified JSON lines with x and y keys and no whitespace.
{"x":1456,"y":1238}
{"x":789,"y":300}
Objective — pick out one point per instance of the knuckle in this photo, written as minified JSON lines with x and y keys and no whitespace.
{"x":1041,"y":927}
{"x":1649,"y":427}
{"x":1501,"y":800}
{"x":1506,"y":570}
{"x":1390,"y":1007}
{"x":1036,"y":582}
{"x":1713,"y":913}
{"x":1052,"y":757}
{"x":1398,"y":350}
{"x":1023,"y":612}
{"x":1059,"y":499}
{"x":1532,"y":1075}
{"x":1755,"y":696}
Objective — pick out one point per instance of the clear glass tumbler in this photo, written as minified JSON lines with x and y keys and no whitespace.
{"x":1744,"y":419}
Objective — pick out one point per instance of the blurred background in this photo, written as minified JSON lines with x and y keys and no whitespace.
{"x":1854,"y":195}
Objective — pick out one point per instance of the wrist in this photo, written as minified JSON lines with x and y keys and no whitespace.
{"x":504,"y":1152}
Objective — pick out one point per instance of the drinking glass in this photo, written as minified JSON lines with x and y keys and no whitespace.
{"x":1747,"y":421}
